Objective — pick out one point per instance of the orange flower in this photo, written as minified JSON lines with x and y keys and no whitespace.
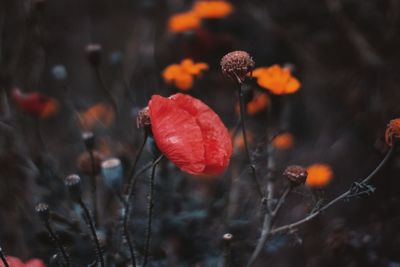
{"x":98,"y":114}
{"x":276,"y":79}
{"x":185,"y":21}
{"x":283,"y":141}
{"x":182,"y":74}
{"x":319,"y":175}
{"x":259,"y":102}
{"x":392,"y":130}
{"x":238,"y":142}
{"x":212,"y":9}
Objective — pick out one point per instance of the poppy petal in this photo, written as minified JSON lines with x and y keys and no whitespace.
{"x":216,"y":139}
{"x":177,"y":134}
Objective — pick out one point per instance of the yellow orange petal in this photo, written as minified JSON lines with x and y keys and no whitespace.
{"x":184,"y":81}
{"x":184,"y":21}
{"x":212,"y":9}
{"x":319,"y":175}
{"x":283,"y":141}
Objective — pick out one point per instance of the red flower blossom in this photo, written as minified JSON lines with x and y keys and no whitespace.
{"x":15,"y":262}
{"x":36,"y":104}
{"x":190,"y":134}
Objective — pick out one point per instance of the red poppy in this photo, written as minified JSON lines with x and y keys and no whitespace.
{"x":190,"y":134}
{"x":36,"y":104}
{"x":15,"y":262}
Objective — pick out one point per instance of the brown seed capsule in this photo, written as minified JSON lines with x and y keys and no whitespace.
{"x":85,"y":163}
{"x":297,"y":175}
{"x":236,"y":65}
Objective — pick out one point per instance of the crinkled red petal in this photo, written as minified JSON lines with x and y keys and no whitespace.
{"x":190,"y":134}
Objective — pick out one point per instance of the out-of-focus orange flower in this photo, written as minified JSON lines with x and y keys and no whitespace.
{"x":319,"y":175}
{"x":392,"y":130}
{"x":238,"y":142}
{"x":276,"y":79}
{"x":182,"y":74}
{"x":212,"y":9}
{"x":259,"y":102}
{"x":185,"y":21}
{"x":283,"y":141}
{"x":99,"y":114}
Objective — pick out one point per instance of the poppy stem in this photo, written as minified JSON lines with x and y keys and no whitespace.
{"x":243,"y":125}
{"x":56,"y":240}
{"x":131,"y":187}
{"x":3,"y":258}
{"x":93,"y":181}
{"x":106,"y":90}
{"x":92,"y":228}
{"x":150,"y":211}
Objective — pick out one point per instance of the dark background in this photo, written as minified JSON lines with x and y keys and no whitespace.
{"x":345,"y":53}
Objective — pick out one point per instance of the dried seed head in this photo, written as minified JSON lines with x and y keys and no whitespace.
{"x":42,"y":209}
{"x":93,"y":52}
{"x":73,"y":183}
{"x":89,"y":140}
{"x":392,"y":130}
{"x":236,"y":65}
{"x":112,"y":172}
{"x":297,"y":175}
{"x":143,"y":120}
{"x":86,"y":166}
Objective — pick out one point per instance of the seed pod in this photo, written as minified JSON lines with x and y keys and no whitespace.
{"x":73,"y":183}
{"x":93,"y":52}
{"x":297,"y":175}
{"x":236,"y":65}
{"x":89,"y":140}
{"x":112,"y":172}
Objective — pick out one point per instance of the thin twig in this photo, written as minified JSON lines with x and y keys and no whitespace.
{"x":150,"y":211}
{"x":56,"y":240}
{"x":127,"y":213}
{"x":92,"y":228}
{"x":243,"y":125}
{"x":94,"y":186}
{"x":106,"y":90}
{"x":337,"y":199}
{"x":3,"y":258}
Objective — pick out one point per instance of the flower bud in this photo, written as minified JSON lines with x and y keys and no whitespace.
{"x":89,"y":140}
{"x":236,"y":65}
{"x":42,"y":209}
{"x":73,"y":183}
{"x":93,"y":52}
{"x":112,"y":172}
{"x":392,"y":131}
{"x":297,"y":175}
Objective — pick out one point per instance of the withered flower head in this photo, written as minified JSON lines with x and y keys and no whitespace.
{"x":297,"y":175}
{"x":85,"y":163}
{"x":392,"y":130}
{"x":42,"y":209}
{"x":143,"y":118}
{"x":73,"y":183}
{"x":236,"y":65}
{"x":93,"y":52}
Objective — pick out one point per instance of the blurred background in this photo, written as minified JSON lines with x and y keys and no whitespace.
{"x":345,"y":55}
